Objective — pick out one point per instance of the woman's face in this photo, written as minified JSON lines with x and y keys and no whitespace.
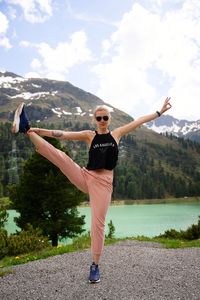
{"x":102,"y":119}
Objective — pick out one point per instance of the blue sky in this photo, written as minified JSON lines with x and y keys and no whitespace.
{"x":132,"y":54}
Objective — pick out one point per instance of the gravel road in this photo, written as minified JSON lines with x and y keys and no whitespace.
{"x":129,"y":270}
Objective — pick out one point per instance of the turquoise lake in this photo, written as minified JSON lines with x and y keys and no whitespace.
{"x":139,"y":219}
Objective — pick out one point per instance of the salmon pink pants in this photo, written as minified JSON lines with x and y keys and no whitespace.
{"x":98,"y":184}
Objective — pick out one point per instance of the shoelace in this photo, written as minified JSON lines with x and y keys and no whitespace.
{"x":93,"y":268}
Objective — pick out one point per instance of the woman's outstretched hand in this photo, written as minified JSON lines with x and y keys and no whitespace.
{"x":36,"y":130}
{"x":166,"y":106}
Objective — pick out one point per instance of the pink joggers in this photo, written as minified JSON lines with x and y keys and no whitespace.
{"x":98,"y":184}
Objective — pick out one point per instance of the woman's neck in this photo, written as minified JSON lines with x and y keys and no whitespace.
{"x":102,"y":131}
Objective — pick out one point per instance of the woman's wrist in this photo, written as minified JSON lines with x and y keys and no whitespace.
{"x":158,"y":113}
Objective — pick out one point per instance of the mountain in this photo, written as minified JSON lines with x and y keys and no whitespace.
{"x":49,"y":101}
{"x":150,"y":165}
{"x":180,"y":128}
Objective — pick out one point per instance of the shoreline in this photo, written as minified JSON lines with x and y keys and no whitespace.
{"x":184,"y":200}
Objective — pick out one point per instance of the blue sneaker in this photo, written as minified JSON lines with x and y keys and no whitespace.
{"x":94,"y":274}
{"x":20,"y":123}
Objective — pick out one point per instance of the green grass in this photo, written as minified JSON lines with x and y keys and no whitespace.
{"x":83,"y":243}
{"x":169,"y":243}
{"x":4,"y":273}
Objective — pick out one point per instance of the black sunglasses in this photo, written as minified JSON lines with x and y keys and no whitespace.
{"x":105,"y":118}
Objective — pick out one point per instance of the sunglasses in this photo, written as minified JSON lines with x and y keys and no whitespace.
{"x":105,"y":118}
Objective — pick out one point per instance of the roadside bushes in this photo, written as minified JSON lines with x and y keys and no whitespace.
{"x":22,"y":242}
{"x":3,"y":242}
{"x":192,"y":233}
{"x":25,"y":241}
{"x":111,"y":230}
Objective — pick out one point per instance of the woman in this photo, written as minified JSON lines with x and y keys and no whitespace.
{"x":96,"y":179}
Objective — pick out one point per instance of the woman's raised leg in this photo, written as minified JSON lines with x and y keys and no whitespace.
{"x":59,"y":158}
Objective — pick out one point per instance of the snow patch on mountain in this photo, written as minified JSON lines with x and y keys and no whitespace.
{"x":169,"y":124}
{"x":79,"y":110}
{"x":36,"y":86}
{"x":8,"y":81}
{"x":67,"y":113}
{"x":59,"y":112}
{"x":27,"y":95}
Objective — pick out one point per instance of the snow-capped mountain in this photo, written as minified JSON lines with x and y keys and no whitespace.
{"x":57,"y":101}
{"x":49,"y":101}
{"x":179,"y":128}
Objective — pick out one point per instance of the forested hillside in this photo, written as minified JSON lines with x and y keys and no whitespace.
{"x":150,"y":165}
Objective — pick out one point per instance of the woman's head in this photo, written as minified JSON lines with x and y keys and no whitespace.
{"x":101,"y":116}
{"x":101,"y":108}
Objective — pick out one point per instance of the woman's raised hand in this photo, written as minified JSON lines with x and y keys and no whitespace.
{"x":166,"y":106}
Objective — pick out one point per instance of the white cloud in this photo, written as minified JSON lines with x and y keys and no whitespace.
{"x":106,"y":47}
{"x":144,"y":43}
{"x":25,"y":44}
{"x":35,"y":11}
{"x":32,"y":75}
{"x":123,"y":81}
{"x":11,"y":12}
{"x":55,"y":63}
{"x":4,"y":41}
{"x":3,"y":23}
{"x":83,"y":16}
{"x":35,"y":64}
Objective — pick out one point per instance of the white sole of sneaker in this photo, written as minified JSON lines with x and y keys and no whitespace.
{"x":94,"y":281}
{"x":15,"y":125}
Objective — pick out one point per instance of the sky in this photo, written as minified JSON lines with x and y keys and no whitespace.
{"x":131,"y":54}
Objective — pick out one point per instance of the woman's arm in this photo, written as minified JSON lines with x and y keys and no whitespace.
{"x":84,"y":135}
{"x":119,"y":132}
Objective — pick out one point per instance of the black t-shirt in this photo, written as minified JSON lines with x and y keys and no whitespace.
{"x":103,"y":152}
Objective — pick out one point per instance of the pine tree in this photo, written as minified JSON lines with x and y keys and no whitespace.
{"x":45,"y":198}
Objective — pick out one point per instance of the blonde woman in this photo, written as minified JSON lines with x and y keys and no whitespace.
{"x":96,"y":178}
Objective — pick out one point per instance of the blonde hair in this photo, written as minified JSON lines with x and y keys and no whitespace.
{"x":100,"y":108}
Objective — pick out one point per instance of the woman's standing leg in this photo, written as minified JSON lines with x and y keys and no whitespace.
{"x":100,"y":192}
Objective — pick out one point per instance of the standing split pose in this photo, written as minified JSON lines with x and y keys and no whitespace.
{"x":96,"y":179}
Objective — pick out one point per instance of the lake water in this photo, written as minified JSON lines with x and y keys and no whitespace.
{"x":139,"y":219}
